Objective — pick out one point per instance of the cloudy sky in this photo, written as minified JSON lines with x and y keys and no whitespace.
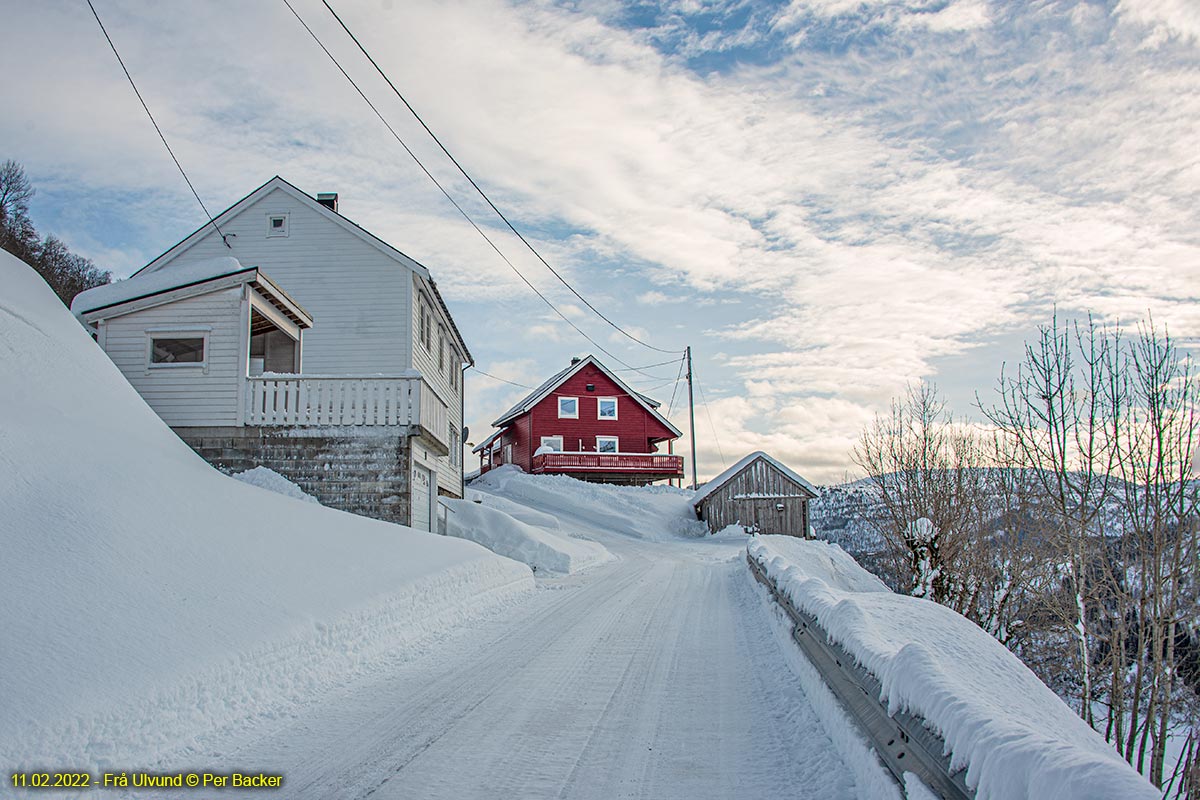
{"x":825,"y":199}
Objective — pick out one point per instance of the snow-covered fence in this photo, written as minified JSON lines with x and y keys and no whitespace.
{"x":337,"y":401}
{"x":903,"y":742}
{"x":932,"y":692}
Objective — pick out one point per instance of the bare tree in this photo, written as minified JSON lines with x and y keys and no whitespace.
{"x":919,"y":463}
{"x":1061,"y":414}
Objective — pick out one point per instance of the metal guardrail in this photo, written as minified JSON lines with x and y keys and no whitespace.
{"x":903,"y":742}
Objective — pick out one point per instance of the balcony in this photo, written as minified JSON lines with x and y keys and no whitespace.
{"x":348,"y":401}
{"x":610,"y":467}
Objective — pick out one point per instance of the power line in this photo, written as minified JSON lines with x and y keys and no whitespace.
{"x":502,"y":380}
{"x":483,"y":194}
{"x":678,"y":378}
{"x":438,"y":184}
{"x":153,"y":122}
{"x":708,"y":414}
{"x":650,"y":366}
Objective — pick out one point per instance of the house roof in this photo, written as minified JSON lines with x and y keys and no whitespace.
{"x":186,"y":281}
{"x":488,"y":441}
{"x":719,"y":481}
{"x":543,"y":391}
{"x":349,"y":225}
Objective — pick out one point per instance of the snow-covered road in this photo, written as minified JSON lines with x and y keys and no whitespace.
{"x":654,"y":676}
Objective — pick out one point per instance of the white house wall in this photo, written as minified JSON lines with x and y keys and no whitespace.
{"x":358,"y":297}
{"x":449,"y":469}
{"x":184,"y":395}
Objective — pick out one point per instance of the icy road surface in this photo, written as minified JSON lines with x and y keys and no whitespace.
{"x":654,"y":676}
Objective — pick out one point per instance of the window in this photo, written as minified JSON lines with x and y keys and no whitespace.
{"x":555,"y":443}
{"x":455,"y":446}
{"x":568,"y":408}
{"x":455,"y":368}
{"x":424,"y":324}
{"x":441,"y":348}
{"x":177,"y":351}
{"x":277,"y":225}
{"x":606,"y":408}
{"x":607,"y":444}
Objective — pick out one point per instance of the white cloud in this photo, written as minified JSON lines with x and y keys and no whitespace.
{"x":853,"y":212}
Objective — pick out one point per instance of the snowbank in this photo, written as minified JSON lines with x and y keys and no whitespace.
{"x":508,"y":536}
{"x":644,"y":512}
{"x":272,"y":481}
{"x":149,"y":600}
{"x":1017,"y":739}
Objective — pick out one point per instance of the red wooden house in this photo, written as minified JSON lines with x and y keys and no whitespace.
{"x":585,"y":422}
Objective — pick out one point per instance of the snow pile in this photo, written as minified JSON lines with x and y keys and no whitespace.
{"x":537,"y":546}
{"x":1017,"y":739}
{"x":272,"y":481}
{"x":150,"y":601}
{"x":644,"y":512}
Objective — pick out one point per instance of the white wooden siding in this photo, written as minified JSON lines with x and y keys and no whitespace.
{"x":358,"y":297}
{"x":184,"y":396}
{"x":426,"y":361}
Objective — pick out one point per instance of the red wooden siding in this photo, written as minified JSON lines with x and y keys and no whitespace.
{"x":635,"y":428}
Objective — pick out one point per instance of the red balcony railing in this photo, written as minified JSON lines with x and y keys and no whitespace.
{"x":667,"y":466}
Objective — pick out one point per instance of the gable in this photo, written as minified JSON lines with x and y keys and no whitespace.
{"x":231,"y":220}
{"x":757,"y":474}
{"x":567,"y":378}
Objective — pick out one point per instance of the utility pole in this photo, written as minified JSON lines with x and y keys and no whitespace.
{"x":692,"y":416}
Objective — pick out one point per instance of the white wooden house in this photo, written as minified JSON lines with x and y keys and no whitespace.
{"x":297,"y":340}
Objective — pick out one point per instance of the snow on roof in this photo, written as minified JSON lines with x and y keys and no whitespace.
{"x":723,"y":478}
{"x":482,"y":445}
{"x":145,"y":284}
{"x":537,"y":395}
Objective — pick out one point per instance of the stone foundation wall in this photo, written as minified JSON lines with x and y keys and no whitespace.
{"x":347,"y":469}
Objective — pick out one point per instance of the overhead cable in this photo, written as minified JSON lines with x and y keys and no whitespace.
{"x":443,"y":190}
{"x":153,"y":122}
{"x":483,"y":194}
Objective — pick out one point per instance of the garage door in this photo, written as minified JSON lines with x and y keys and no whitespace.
{"x":422,"y":482}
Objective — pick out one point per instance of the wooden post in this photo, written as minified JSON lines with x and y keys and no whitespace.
{"x":692,"y":416}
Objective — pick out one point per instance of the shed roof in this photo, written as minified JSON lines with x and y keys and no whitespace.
{"x":105,"y":301}
{"x":719,"y":481}
{"x":540,"y":393}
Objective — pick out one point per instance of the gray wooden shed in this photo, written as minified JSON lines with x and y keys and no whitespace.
{"x":758,"y":493}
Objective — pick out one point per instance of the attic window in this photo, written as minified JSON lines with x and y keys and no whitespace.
{"x":606,"y":408}
{"x":568,"y":408}
{"x":277,"y":225}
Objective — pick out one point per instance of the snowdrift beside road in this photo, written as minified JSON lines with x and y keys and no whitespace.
{"x":509,"y":536}
{"x":1017,"y":739}
{"x":147,"y":599}
{"x":644,"y":512}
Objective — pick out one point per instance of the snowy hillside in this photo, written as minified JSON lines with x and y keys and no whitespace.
{"x":148,"y":600}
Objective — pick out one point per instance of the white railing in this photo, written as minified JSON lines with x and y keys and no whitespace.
{"x":340,"y":401}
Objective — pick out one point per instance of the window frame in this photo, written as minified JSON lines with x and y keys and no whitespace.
{"x":280,"y":233}
{"x":561,"y":415}
{"x":441,"y":347}
{"x":151,"y":335}
{"x":559,"y":439}
{"x":599,"y":403}
{"x":616,"y":440}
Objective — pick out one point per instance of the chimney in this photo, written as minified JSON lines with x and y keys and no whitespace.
{"x":575,"y":360}
{"x":328,"y":199}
